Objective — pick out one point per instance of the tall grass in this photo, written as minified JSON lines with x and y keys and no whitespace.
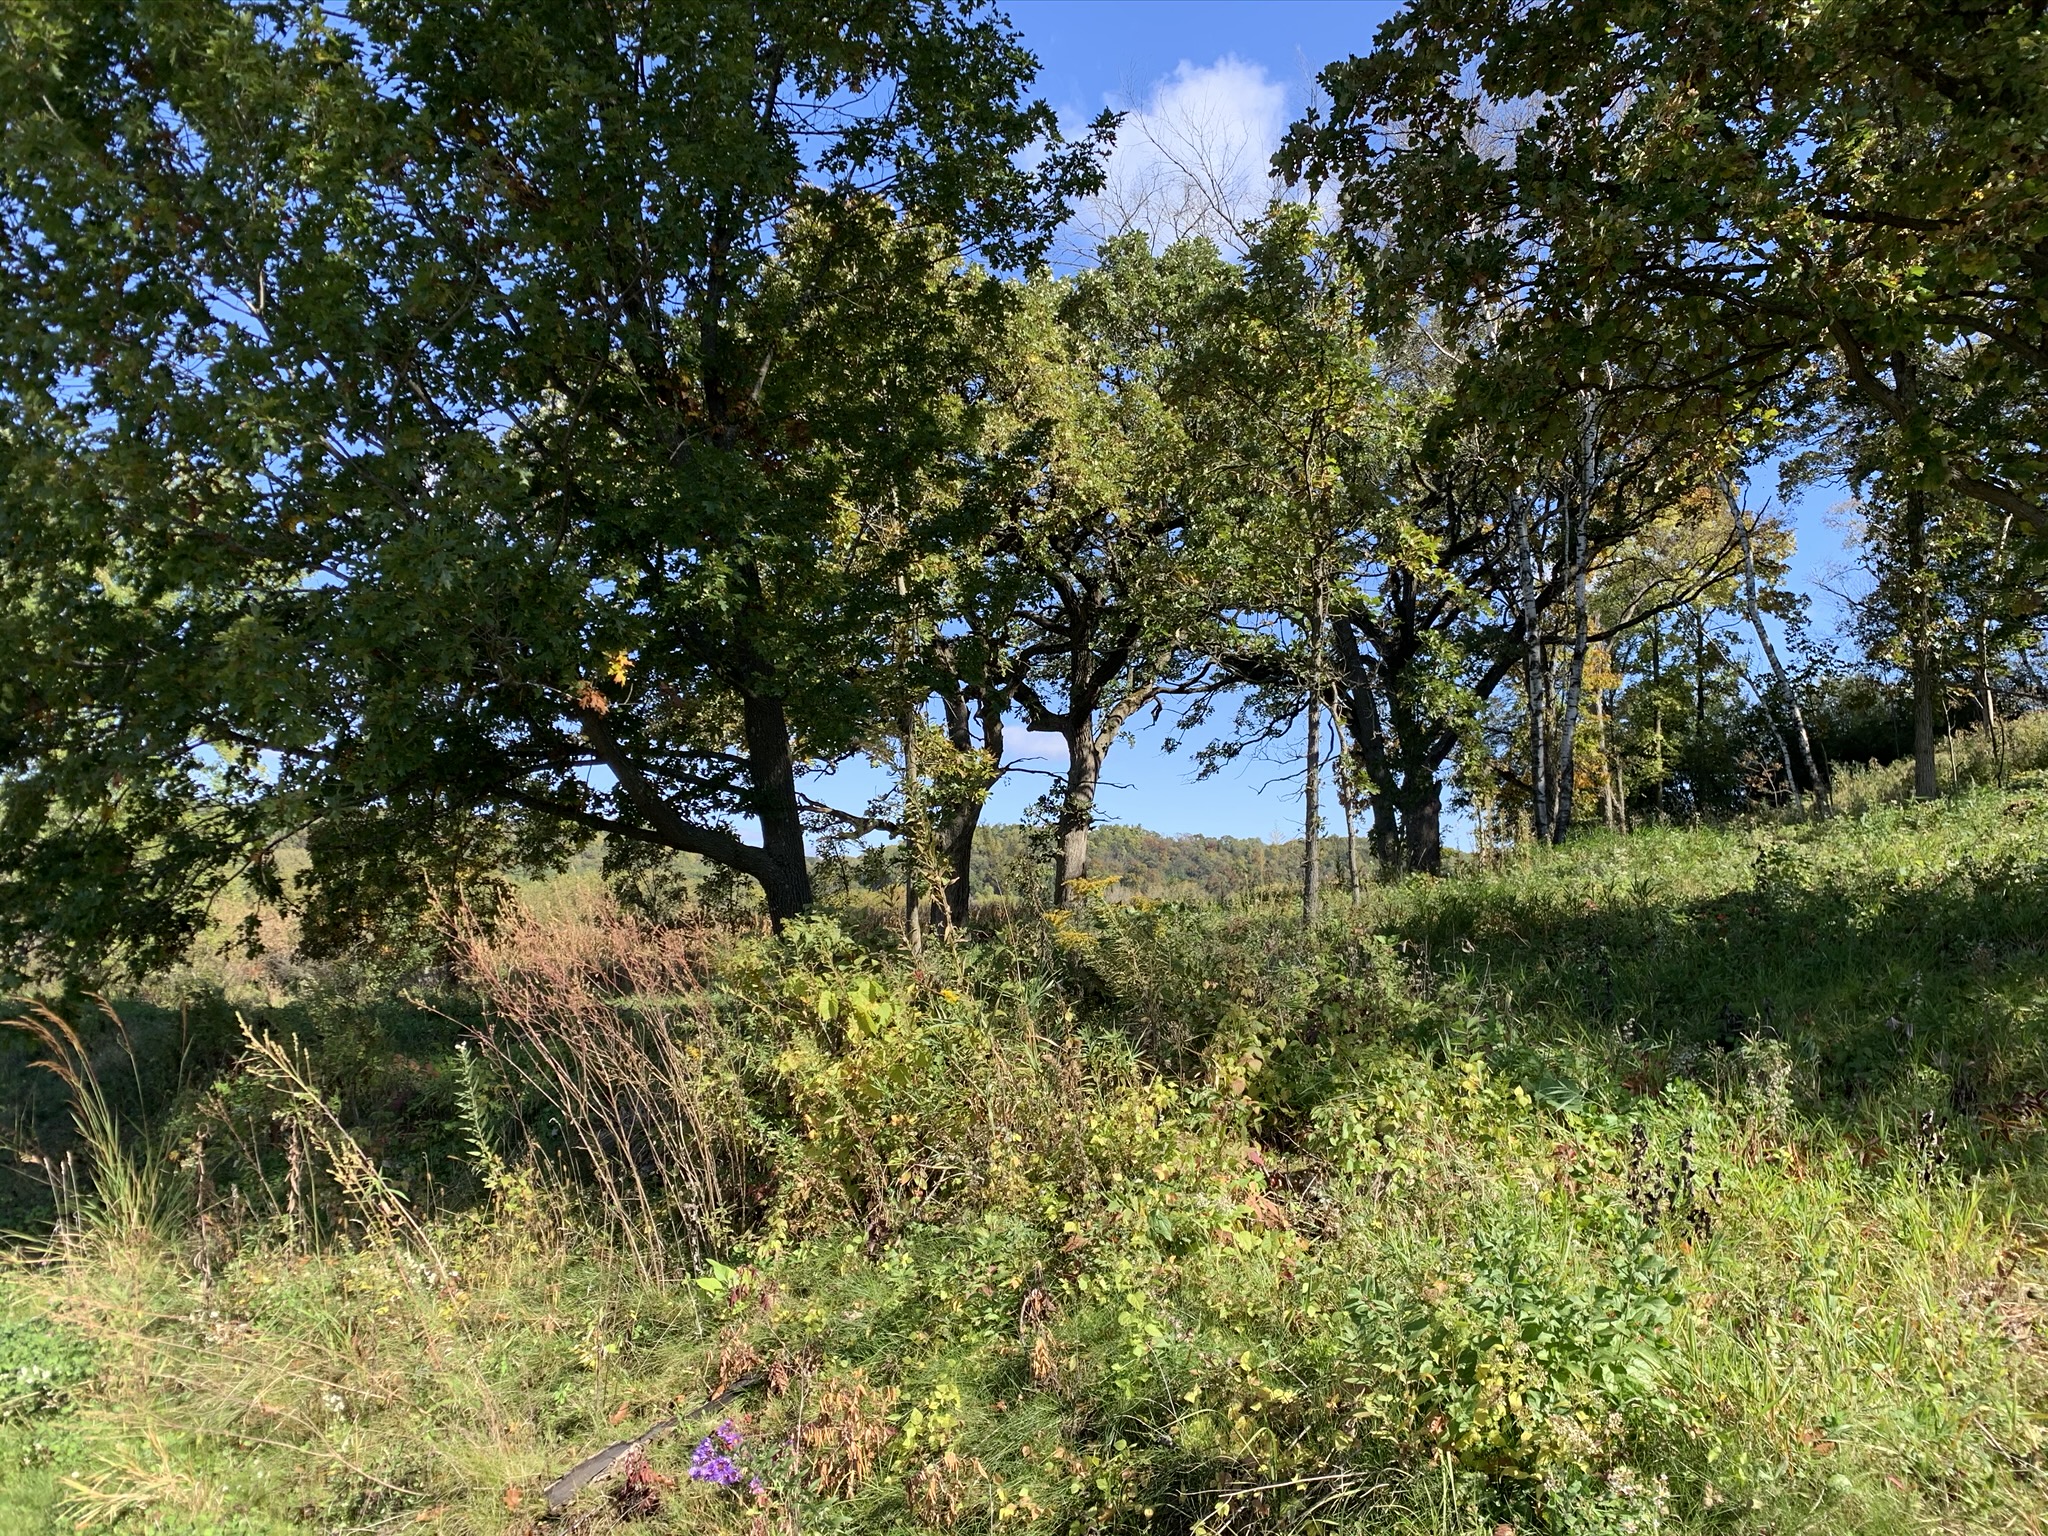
{"x":630,"y":1081}
{"x":1692,"y":1181}
{"x":385,"y":1210}
{"x":1971,"y":759}
{"x":119,"y":1195}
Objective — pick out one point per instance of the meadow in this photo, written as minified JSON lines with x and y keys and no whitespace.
{"x":1686,"y":1180}
{"x":536,"y":539}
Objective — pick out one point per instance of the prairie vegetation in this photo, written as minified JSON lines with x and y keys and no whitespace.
{"x":1689,"y":1179}
{"x":534,"y":535}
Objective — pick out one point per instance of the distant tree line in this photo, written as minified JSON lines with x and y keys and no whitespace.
{"x":1134,"y":862}
{"x":454,"y":437}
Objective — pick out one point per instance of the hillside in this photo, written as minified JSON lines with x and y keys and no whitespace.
{"x":1145,"y":864}
{"x":1684,"y":1180}
{"x":538,"y":538}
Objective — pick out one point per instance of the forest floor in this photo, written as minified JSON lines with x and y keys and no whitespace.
{"x":1694,"y":1179}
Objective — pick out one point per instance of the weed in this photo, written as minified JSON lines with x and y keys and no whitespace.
{"x":1689,"y":1180}
{"x":124,"y":1179}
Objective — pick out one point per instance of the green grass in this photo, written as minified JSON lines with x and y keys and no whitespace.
{"x":1691,"y":1180}
{"x":42,"y":1368}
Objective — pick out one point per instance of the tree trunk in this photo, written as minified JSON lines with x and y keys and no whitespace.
{"x":1347,"y":797}
{"x":1422,"y":823}
{"x":1347,"y":787}
{"x":1574,"y":691}
{"x":960,"y":822}
{"x":1368,"y":743}
{"x":1657,"y":694}
{"x":786,"y":880}
{"x":1077,"y":815}
{"x":1987,"y":706}
{"x":1402,"y":831}
{"x":956,"y":846}
{"x":1763,"y":639}
{"x":1785,"y":756}
{"x":1351,"y":883}
{"x":1784,"y":751}
{"x":1699,"y":676}
{"x":1575,"y":682}
{"x":1606,"y":777}
{"x":1533,"y":670}
{"x":913,"y":862}
{"x":1920,"y":641}
{"x":1926,"y":766}
{"x":1416,"y":792}
{"x":1987,"y":703}
{"x":1311,"y":852}
{"x":1311,"y":815}
{"x":1384,"y":837}
{"x":1547,"y":721}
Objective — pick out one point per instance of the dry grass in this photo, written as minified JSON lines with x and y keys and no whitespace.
{"x":599,"y":1021}
{"x":118,"y":1193}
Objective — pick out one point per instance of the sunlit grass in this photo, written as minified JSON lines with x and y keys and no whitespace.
{"x":1684,"y":1180}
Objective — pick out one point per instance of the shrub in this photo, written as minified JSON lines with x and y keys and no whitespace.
{"x":1684,"y":1180}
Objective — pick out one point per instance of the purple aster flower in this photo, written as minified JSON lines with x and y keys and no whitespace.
{"x":709,"y":1462}
{"x":711,"y":1465}
{"x":715,"y":1469}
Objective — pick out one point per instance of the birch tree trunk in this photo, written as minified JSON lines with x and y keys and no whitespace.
{"x":1784,"y":752}
{"x":1763,"y":639}
{"x":1532,"y":672}
{"x":1575,"y":680}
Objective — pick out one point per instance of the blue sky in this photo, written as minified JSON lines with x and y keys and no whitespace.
{"x":1235,"y":72}
{"x":1249,"y":64}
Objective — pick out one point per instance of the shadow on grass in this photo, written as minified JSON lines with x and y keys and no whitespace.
{"x":1895,"y":994}
{"x":387,"y":1064}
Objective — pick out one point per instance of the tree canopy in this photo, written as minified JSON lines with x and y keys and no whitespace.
{"x":440,"y":438}
{"x":449,"y":429}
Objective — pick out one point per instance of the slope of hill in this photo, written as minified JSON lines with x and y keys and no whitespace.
{"x":1687,"y":1180}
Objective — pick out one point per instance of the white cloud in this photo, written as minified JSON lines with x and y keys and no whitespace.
{"x":1036,"y":746}
{"x":1195,"y":156}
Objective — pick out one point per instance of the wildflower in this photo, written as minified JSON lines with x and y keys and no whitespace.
{"x":708,"y":1464}
{"x":711,"y":1461}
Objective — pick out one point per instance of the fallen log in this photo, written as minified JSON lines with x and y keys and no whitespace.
{"x":591,"y":1468}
